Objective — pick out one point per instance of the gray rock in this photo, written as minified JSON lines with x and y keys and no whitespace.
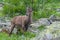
{"x":47,"y":37}
{"x":42,"y":21}
{"x":58,"y":38}
{"x":58,"y":9}
{"x":52,"y":17}
{"x":52,"y":32}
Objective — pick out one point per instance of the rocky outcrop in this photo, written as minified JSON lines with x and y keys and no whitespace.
{"x":51,"y":32}
{"x":42,"y":21}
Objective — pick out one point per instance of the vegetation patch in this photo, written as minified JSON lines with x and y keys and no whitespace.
{"x":20,"y":36}
{"x":41,"y":28}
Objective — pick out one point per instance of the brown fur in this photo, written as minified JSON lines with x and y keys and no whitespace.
{"x":22,"y":22}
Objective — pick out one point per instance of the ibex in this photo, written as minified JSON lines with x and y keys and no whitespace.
{"x":22,"y":22}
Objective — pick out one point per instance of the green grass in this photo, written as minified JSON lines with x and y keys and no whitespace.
{"x":26,"y":36}
{"x":41,"y":28}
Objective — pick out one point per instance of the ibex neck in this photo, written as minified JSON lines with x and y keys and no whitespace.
{"x":30,"y":19}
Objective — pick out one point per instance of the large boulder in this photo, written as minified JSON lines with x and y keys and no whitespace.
{"x":42,"y":21}
{"x":52,"y":32}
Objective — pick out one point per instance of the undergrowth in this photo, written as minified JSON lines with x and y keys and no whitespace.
{"x":26,"y":36}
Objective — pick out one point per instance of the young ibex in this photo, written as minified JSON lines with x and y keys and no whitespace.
{"x":22,"y":22}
